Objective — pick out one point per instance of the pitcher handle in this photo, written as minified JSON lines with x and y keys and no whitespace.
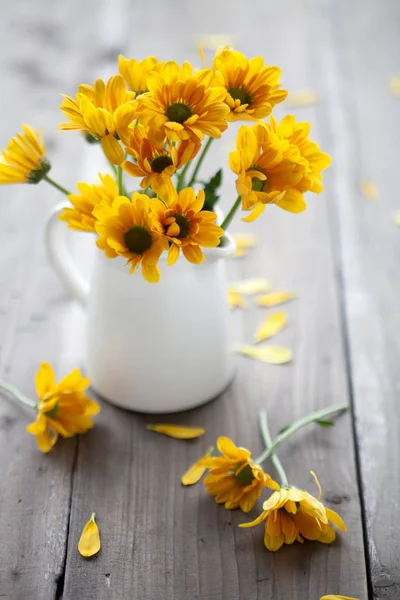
{"x":61,"y":257}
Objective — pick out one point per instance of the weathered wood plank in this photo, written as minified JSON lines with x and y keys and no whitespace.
{"x":164,"y":542}
{"x":358,"y":62}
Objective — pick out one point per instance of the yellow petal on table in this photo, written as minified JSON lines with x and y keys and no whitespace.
{"x":271,"y":326}
{"x":89,"y":543}
{"x":274,"y":355}
{"x":336,"y":597}
{"x":369,"y":189}
{"x":179,"y":432}
{"x":235,"y":299}
{"x":243,"y":241}
{"x":248,"y":287}
{"x":196,"y":471}
{"x":396,"y":218}
{"x":274,"y":298}
{"x":394,"y":86}
{"x":302,"y":98}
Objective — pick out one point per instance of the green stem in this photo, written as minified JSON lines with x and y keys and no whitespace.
{"x":199,"y":162}
{"x":268,"y":443}
{"x":181,"y":176}
{"x":114,"y":169}
{"x":120,"y":181}
{"x":319,"y":414}
{"x":56,"y":185}
{"x":228,"y":219}
{"x":16,"y":394}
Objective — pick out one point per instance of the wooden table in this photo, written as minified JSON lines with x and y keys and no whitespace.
{"x":161,"y":541}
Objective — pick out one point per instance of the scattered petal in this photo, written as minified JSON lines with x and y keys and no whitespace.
{"x":271,"y":326}
{"x":369,"y":189}
{"x":179,"y":432}
{"x":243,"y":241}
{"x":213,"y":41}
{"x":254,"y":285}
{"x":302,"y":98}
{"x":196,"y":471}
{"x":336,"y":597}
{"x":274,"y":298}
{"x":89,"y":543}
{"x":396,"y":218}
{"x":394,"y":86}
{"x":274,"y":355}
{"x":235,"y":299}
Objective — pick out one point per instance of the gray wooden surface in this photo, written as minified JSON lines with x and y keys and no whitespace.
{"x":160,"y":541}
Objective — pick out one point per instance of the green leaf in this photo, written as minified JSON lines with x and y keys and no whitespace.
{"x":210,"y":190}
{"x":324,"y":423}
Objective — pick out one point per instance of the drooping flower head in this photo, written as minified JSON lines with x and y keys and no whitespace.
{"x":185,"y":225}
{"x":126,"y":229}
{"x":291,"y":514}
{"x":81,"y":217}
{"x":63,"y":408}
{"x":252,"y":88}
{"x":234,"y":479}
{"x":24,"y":160}
{"x":181,"y":105}
{"x":276,"y":165}
{"x":135,"y":72}
{"x":105,"y":110}
{"x":156,"y":162}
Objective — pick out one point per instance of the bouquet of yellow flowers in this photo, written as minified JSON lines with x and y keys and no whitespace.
{"x":155,"y":122}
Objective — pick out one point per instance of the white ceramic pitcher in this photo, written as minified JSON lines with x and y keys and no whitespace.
{"x":156,"y":348}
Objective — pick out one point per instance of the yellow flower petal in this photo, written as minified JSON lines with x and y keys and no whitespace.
{"x":302,"y":98}
{"x":337,"y":597}
{"x":235,"y":300}
{"x":254,"y":285}
{"x":369,"y":189}
{"x":112,"y":149}
{"x":396,"y":218}
{"x":271,"y":326}
{"x":336,"y":519}
{"x":394,"y":86}
{"x":243,"y":241}
{"x":274,"y":355}
{"x":179,"y":432}
{"x":274,"y":298}
{"x":196,"y":471}
{"x":89,"y":543}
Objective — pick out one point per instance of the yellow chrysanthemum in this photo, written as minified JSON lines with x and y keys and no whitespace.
{"x":126,"y":229}
{"x":135,"y":72}
{"x":186,"y":226}
{"x":154,"y":162}
{"x":24,"y":160}
{"x":234,"y":479}
{"x":276,"y":164}
{"x":105,"y":111}
{"x":181,"y":105}
{"x":81,"y":217}
{"x":291,"y":514}
{"x":63,"y":408}
{"x":252,"y":87}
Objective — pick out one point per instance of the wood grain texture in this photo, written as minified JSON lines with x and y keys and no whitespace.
{"x":357,"y":64}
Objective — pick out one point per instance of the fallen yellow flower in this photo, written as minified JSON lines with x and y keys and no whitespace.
{"x":235,"y":300}
{"x":179,"y":432}
{"x":369,"y":189}
{"x":196,"y":471}
{"x":243,"y":241}
{"x":336,"y":597}
{"x":302,"y":98}
{"x":271,"y":326}
{"x":248,"y":287}
{"x":89,"y":543}
{"x":274,"y":298}
{"x":274,"y":355}
{"x":396,"y":218}
{"x":394,"y":86}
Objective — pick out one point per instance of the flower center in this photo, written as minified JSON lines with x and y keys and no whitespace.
{"x":159,"y":164}
{"x":238,"y":93}
{"x":178,"y":112}
{"x":245,"y":475}
{"x":183,"y":224}
{"x":138,"y":239}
